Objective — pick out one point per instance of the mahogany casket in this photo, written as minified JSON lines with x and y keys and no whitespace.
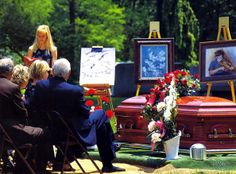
{"x":207,"y":120}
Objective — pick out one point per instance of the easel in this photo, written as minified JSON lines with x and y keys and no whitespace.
{"x":101,"y":90}
{"x":154,"y":30}
{"x":223,"y":27}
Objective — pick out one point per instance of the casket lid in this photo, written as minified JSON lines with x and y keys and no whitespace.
{"x":205,"y":106}
{"x":133,"y":104}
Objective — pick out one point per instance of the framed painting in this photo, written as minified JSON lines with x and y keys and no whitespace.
{"x":217,"y":60}
{"x":152,"y":59}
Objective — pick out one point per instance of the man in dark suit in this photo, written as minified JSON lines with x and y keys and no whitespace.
{"x":67,"y":99}
{"x":13,"y":117}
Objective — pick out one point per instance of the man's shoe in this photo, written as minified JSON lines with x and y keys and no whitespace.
{"x":111,"y":169}
{"x":117,"y":147}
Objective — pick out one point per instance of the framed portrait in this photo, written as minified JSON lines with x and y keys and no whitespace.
{"x":152,"y":59}
{"x":217,"y":60}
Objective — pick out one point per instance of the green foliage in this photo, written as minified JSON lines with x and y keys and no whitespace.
{"x":18,"y":21}
{"x":138,"y":14}
{"x":102,"y":24}
{"x":181,"y":23}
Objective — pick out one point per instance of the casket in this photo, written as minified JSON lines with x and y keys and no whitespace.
{"x":207,"y":120}
{"x":131,"y":126}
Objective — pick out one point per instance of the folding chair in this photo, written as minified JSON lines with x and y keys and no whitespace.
{"x":71,"y":139}
{"x":7,"y":141}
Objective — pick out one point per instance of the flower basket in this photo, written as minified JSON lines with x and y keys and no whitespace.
{"x":161,"y":109}
{"x":171,"y":147}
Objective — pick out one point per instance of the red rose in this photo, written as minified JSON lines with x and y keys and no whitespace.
{"x":168,"y":77}
{"x":193,"y":86}
{"x":109,"y":113}
{"x":104,"y":99}
{"x":97,"y":108}
{"x":160,"y":83}
{"x":91,"y":91}
{"x":162,"y":95}
{"x":196,"y":76}
{"x":184,"y":73}
{"x":151,"y":99}
{"x":89,"y":103}
{"x":184,"y":82}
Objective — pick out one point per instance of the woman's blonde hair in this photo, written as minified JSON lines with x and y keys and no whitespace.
{"x":37,"y":68}
{"x":49,"y":42}
{"x":20,"y":75}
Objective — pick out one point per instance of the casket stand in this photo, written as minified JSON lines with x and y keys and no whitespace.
{"x":207,"y":120}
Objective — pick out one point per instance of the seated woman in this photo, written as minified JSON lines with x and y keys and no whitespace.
{"x":39,"y":70}
{"x":20,"y":77}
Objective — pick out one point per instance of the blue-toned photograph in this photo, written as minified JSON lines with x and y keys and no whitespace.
{"x":154,"y":61}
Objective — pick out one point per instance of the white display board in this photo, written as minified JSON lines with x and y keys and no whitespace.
{"x":97,"y":66}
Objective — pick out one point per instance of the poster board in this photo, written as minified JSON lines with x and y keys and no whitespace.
{"x":97,"y":66}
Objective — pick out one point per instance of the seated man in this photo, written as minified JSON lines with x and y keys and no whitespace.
{"x":67,"y":99}
{"x":13,"y":116}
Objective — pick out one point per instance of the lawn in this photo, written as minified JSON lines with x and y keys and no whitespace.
{"x":145,"y":157}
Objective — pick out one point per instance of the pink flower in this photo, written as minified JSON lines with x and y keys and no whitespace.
{"x":159,"y":124}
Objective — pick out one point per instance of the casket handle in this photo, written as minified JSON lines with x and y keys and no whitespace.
{"x":185,"y":135}
{"x":224,"y":135}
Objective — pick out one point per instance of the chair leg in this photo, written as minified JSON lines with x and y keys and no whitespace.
{"x":77,"y":162}
{"x":87,"y":154}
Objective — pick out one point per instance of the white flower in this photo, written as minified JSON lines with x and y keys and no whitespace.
{"x":92,"y":108}
{"x":167,"y":114}
{"x":151,"y":126}
{"x":160,"y":106}
{"x":155,"y":137}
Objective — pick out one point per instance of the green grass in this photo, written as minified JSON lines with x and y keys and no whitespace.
{"x":157,"y":159}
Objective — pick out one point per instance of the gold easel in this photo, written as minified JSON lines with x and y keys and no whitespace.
{"x":154,"y":30}
{"x":223,"y":28}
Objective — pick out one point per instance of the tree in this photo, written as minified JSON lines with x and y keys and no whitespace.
{"x":17,"y":23}
{"x":138,"y":14}
{"x":180,"y":22}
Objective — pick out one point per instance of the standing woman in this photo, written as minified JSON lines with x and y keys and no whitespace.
{"x":43,"y":46}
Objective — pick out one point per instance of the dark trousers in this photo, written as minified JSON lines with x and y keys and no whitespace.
{"x":36,"y":136}
{"x":104,"y":139}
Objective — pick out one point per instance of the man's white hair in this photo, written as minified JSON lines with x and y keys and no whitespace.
{"x":6,"y":66}
{"x":61,"y":67}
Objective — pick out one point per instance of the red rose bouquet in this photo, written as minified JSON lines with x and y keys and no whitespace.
{"x":160,"y":108}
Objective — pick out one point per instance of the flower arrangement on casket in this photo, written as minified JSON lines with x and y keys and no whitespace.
{"x":160,"y":109}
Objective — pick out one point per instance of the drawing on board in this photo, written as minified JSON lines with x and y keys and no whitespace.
{"x":97,"y":66}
